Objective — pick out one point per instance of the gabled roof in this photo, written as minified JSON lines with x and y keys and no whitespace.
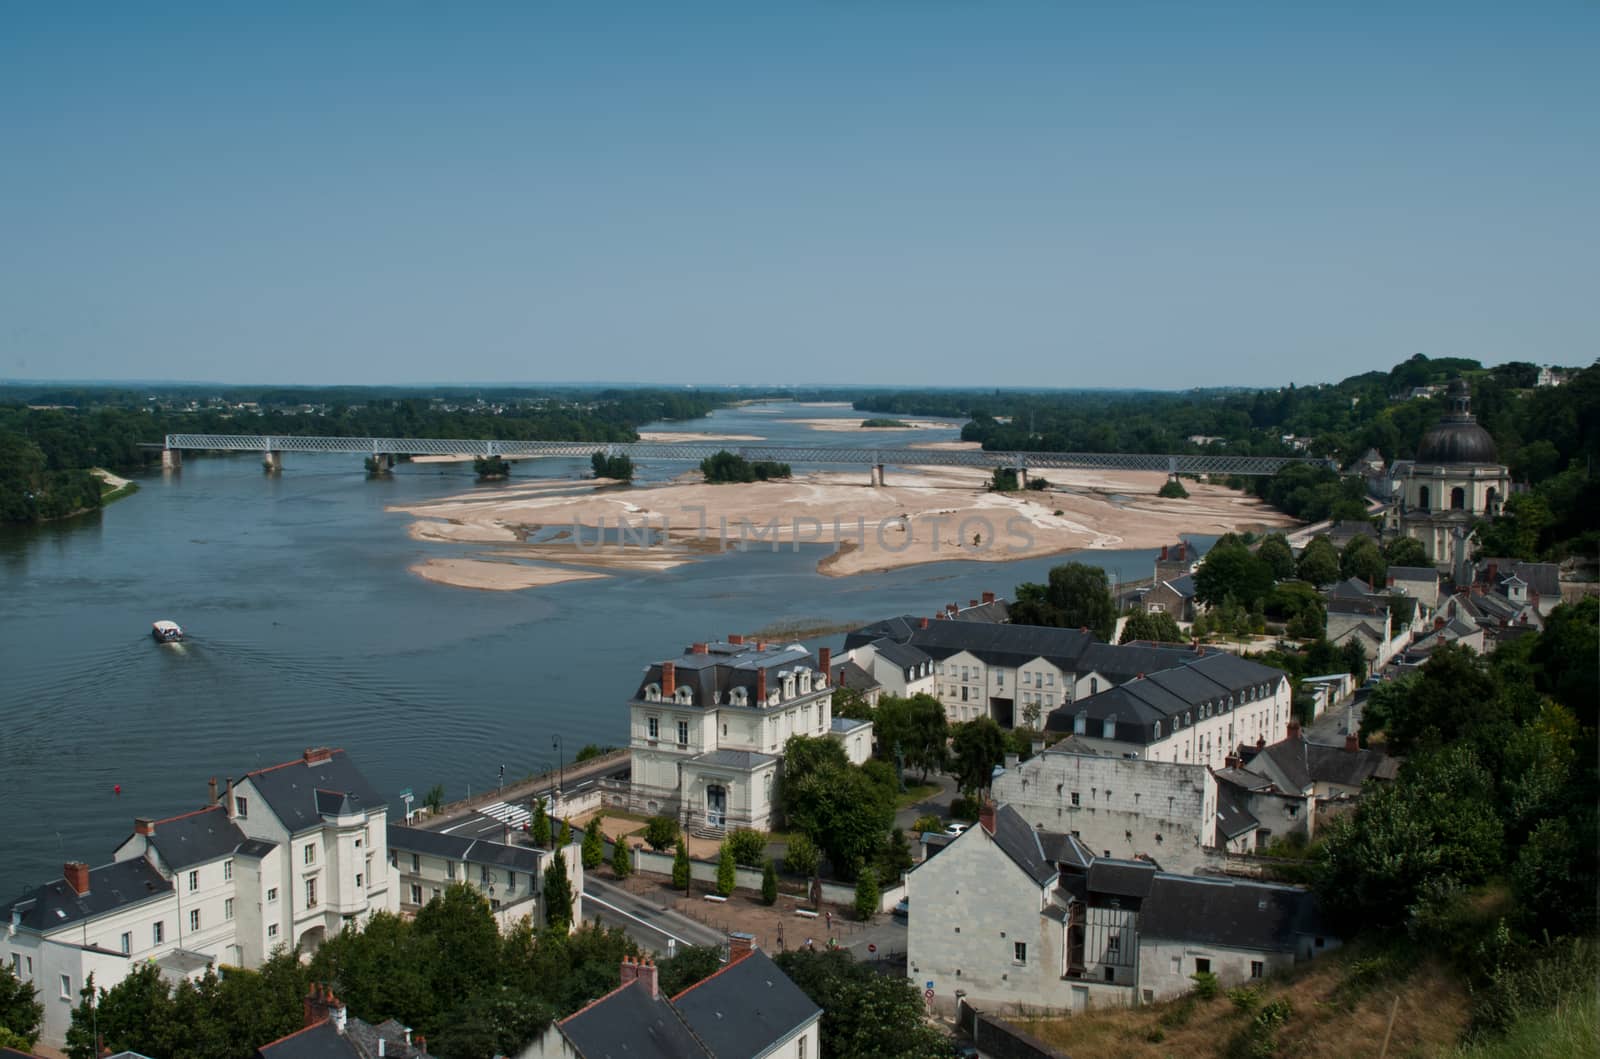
{"x":1002,"y":645}
{"x":628,"y":1023}
{"x":291,"y":790}
{"x":1212,"y":676}
{"x":1350,"y":588}
{"x":746,"y":1007}
{"x":470,"y":850}
{"x":195,"y":838}
{"x":1121,"y":878}
{"x":1123,"y":661}
{"x":854,"y":677}
{"x":1021,"y":843}
{"x":1233,"y":819}
{"x":1414,"y":573}
{"x":846,"y":725}
{"x":120,"y":884}
{"x":322,"y":1040}
{"x":1351,"y":605}
{"x":1235,"y":915}
{"x":903,"y":655}
{"x":1301,"y":764}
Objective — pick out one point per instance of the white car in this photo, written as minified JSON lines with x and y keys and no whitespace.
{"x":955,"y":829}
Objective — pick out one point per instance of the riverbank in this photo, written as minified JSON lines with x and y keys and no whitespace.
{"x":936,"y":515}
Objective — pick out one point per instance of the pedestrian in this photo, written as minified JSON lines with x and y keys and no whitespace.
{"x":829,"y":916}
{"x":780,"y":935}
{"x":810,"y":945}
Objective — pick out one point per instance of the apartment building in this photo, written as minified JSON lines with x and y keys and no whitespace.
{"x":510,"y":877}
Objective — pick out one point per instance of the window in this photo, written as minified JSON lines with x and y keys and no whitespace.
{"x":1114,"y":945}
{"x":310,"y":853}
{"x":194,"y":881}
{"x":1019,"y":952}
{"x":158,"y":932}
{"x":1080,"y":724}
{"x":311,"y":893}
{"x":416,"y":863}
{"x":450,"y":869}
{"x":272,"y":895}
{"x":16,"y":964}
{"x":227,"y":871}
{"x":241,"y":806}
{"x":416,"y":894}
{"x":511,"y":880}
{"x":1202,"y":965}
{"x":227,"y":909}
{"x":1177,"y":964}
{"x":66,"y":987}
{"x":272,"y":930}
{"x":1257,"y":969}
{"x":483,"y":874}
{"x":803,"y":1041}
{"x":1108,"y":728}
{"x":194,"y":919}
{"x":361,"y":881}
{"x":683,"y":733}
{"x":1075,"y":798}
{"x":653,"y":727}
{"x":1000,"y":677}
{"x":1049,"y":680}
{"x":127,"y":942}
{"x":1111,"y":974}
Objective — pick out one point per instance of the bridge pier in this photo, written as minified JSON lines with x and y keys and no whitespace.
{"x":875,"y":474}
{"x":1022,"y":477}
{"x":380,"y":463}
{"x":272,"y":461}
{"x":172,"y":459}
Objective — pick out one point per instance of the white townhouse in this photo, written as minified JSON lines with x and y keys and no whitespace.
{"x":285,"y":856}
{"x":1021,"y":918}
{"x":510,"y":877}
{"x":1196,"y":712}
{"x":707,"y":730}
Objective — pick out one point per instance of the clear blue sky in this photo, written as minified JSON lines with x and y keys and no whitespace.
{"x":878,"y":191}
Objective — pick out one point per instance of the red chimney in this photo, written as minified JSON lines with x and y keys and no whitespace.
{"x":317,"y":755}
{"x":761,"y":645}
{"x":972,"y":603}
{"x":988,"y":597}
{"x":1438,"y":622}
{"x":669,"y":680}
{"x":825,"y":660}
{"x":1494,"y":568}
{"x":1163,"y":553}
{"x":1233,"y":761}
{"x":1183,"y":549}
{"x":698,"y":649}
{"x":1391,"y":580}
{"x":761,"y":686}
{"x":1352,"y":742}
{"x":212,"y":788}
{"x":1261,"y":741}
{"x":314,"y":1006}
{"x":736,"y":638}
{"x":76,"y":872}
{"x":924,"y":623}
{"x":231,"y":805}
{"x":1294,"y":729}
{"x":740,"y":945}
{"x":647,"y":975}
{"x":630,"y":969}
{"x":986,"y":816}
{"x":144,"y":826}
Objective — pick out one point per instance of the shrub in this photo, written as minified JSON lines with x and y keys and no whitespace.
{"x":802,"y":857}
{"x":594,"y":850}
{"x":661,"y":832}
{"x":680,"y":866}
{"x":769,"y":884}
{"x":927,"y":823}
{"x":1173,"y":490}
{"x":749,"y":847}
{"x":727,"y":871}
{"x":1245,"y":998}
{"x":867,"y":893}
{"x":1205,"y":984}
{"x":622,"y":861}
{"x":965,"y":808}
{"x":1179,"y":1013}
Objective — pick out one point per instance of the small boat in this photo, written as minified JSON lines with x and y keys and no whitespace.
{"x":166,"y":632}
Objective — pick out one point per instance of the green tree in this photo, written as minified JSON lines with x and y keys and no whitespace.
{"x":539,"y":829}
{"x":1319,"y":562}
{"x":1004,"y":480}
{"x":1230,"y":568}
{"x":20,"y":1010}
{"x":866,"y":903}
{"x":1279,"y":557}
{"x":976,"y":748}
{"x":434,"y":799}
{"x":690,"y":964}
{"x":1361,"y":559}
{"x":621,"y":859}
{"x":801,"y":856}
{"x":589,"y":752}
{"x":661,"y":832}
{"x":1173,"y":489}
{"x":848,"y":702}
{"x":769,"y":883}
{"x":136,"y":1014}
{"x":924,"y":824}
{"x":566,"y":835}
{"x":557,"y":895}
{"x":1076,"y":596}
{"x":1517,"y":532}
{"x":840,"y":808}
{"x":1405,"y":551}
{"x":1159,"y":627}
{"x":864,"y":1013}
{"x":727,"y":871}
{"x":682,"y":872}
{"x":749,"y":847}
{"x":916,"y":727}
{"x":594,"y":849}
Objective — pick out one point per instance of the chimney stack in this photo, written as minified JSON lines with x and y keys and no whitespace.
{"x":1352,"y":742}
{"x":924,"y":623}
{"x":1163,"y":553}
{"x":825,"y":660}
{"x":145,"y":826}
{"x":698,"y":649}
{"x":735,"y":638}
{"x":669,"y":680}
{"x":761,"y":686}
{"x":76,"y":872}
{"x":988,"y":597}
{"x":317,"y":755}
{"x":972,"y":603}
{"x":740,"y":945}
{"x":647,"y":975}
{"x":1294,"y":728}
{"x":986,"y":816}
{"x":231,"y":804}
{"x":212,"y":787}
{"x":314,"y":1005}
{"x":630,"y":969}
{"x":762,"y":645}
{"x":1233,"y":761}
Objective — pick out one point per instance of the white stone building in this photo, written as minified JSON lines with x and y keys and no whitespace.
{"x":510,"y":877}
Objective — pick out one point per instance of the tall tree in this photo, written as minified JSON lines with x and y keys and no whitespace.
{"x":621,"y":859}
{"x":1230,"y":568}
{"x":1276,"y":553}
{"x":1143,"y":625}
{"x":682,"y":870}
{"x":864,"y":1013}
{"x":1405,"y":551}
{"x":557,"y":895}
{"x":1361,"y":559}
{"x":977,"y":747}
{"x":1076,"y":596}
{"x":20,"y":1010}
{"x":915,"y":727}
{"x":1319,"y":562}
{"x":594,"y":849}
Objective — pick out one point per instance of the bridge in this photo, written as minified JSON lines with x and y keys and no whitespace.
{"x":380,"y":453}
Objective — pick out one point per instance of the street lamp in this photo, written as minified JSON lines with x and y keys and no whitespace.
{"x":561,"y":773}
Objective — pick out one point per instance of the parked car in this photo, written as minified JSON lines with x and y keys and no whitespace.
{"x":902,"y":911}
{"x":955,"y":829}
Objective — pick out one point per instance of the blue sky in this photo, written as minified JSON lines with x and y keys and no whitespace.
{"x":882,"y":191}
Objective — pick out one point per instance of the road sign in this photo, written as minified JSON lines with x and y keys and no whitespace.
{"x":871,"y":947}
{"x":927,"y":994}
{"x":930,"y":987}
{"x":405,"y":793}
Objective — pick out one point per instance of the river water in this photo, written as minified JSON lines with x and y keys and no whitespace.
{"x":306,"y":628}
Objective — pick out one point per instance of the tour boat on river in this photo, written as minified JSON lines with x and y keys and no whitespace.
{"x":166,"y":632}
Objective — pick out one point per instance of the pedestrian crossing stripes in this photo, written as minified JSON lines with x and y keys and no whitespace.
{"x":515,"y":815}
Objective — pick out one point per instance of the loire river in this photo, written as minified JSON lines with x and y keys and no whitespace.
{"x":306,"y":628}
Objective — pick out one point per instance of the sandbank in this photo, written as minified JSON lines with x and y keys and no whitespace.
{"x":497,"y":575}
{"x":856,"y":424}
{"x":669,"y":437}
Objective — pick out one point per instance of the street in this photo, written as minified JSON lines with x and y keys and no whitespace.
{"x":650,"y":925}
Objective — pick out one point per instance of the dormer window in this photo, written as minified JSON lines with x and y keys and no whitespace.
{"x":652,"y":693}
{"x":1158,"y":730}
{"x":805,"y":682}
{"x":684,"y":695}
{"x":739,"y":697}
{"x":1108,"y":728}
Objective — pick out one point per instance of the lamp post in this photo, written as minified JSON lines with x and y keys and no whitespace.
{"x":561,"y":769}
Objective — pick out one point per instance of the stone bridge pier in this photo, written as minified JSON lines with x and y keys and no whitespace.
{"x":380,"y":463}
{"x":172,"y":459}
{"x":875,"y":474}
{"x":272,"y":461}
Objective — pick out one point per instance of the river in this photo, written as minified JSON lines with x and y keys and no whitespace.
{"x":306,"y":628}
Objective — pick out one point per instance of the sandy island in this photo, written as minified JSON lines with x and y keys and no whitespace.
{"x":859,"y":424}
{"x":668,"y":437}
{"x":934,"y":515}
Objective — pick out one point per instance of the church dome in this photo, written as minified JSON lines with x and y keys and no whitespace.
{"x":1458,"y":438}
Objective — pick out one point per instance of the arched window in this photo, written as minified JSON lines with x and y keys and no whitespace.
{"x":652,"y":693}
{"x":738,"y":696}
{"x":1422,"y":498}
{"x":1458,"y":499}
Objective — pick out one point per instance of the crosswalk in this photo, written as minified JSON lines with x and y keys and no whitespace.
{"x":514,"y":815}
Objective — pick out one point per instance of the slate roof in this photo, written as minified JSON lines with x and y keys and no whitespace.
{"x":1235,"y":915}
{"x":855,"y":678}
{"x":846,"y":725}
{"x":1414,"y":573}
{"x":291,"y":789}
{"x":1233,"y":819}
{"x":256,"y":848}
{"x":114,"y":886}
{"x":195,"y":838}
{"x":1302,"y":764}
{"x":628,"y":1023}
{"x":1125,"y":661}
{"x":1350,"y":588}
{"x":1350,"y":605}
{"x":995,"y":612}
{"x":322,"y":1040}
{"x":1002,"y":645}
{"x":903,"y":655}
{"x":734,"y":759}
{"x":12,"y":1053}
{"x":745,"y":1008}
{"x":1121,"y":878}
{"x":1064,"y":849}
{"x":1136,"y":705}
{"x":725,"y":666}
{"x":470,"y":850}
{"x":1021,"y":843}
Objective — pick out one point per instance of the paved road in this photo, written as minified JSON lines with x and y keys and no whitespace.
{"x":650,"y":925}
{"x":490,"y":820}
{"x":1330,"y":728}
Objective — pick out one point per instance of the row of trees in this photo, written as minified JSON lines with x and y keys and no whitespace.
{"x":725,"y":467}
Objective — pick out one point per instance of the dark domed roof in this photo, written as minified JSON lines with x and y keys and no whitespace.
{"x":1458,"y":438}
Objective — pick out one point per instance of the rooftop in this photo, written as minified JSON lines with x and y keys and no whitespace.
{"x":114,"y":886}
{"x":298,"y":791}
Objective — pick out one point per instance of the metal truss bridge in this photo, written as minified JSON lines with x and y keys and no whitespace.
{"x":693,"y":452}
